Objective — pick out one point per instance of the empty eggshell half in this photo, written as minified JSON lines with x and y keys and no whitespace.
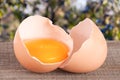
{"x":89,"y":48}
{"x":38,"y":27}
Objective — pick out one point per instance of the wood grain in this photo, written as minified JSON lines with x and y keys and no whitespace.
{"x":10,"y":69}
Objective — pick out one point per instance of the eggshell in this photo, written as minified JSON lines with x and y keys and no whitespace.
{"x":90,"y":48}
{"x":38,"y":27}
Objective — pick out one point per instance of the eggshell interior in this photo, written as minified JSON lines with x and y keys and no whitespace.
{"x":38,"y":27}
{"x":90,"y":48}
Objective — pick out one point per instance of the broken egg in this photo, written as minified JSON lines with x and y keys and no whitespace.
{"x":40,"y":46}
{"x":89,"y":49}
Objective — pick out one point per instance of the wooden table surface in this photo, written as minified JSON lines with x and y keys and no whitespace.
{"x":10,"y":69}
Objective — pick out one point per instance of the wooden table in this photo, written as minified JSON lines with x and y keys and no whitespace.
{"x":10,"y":69}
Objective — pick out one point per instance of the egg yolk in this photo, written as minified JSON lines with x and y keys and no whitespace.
{"x":47,"y":50}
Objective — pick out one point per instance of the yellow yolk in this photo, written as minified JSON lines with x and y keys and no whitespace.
{"x":47,"y":50}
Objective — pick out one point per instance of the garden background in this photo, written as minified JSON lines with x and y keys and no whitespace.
{"x":65,"y":13}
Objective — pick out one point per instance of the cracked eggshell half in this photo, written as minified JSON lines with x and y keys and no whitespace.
{"x":38,"y":27}
{"x":89,"y":50}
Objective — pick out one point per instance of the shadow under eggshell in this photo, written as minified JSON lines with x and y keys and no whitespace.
{"x":38,"y":27}
{"x":89,"y":50}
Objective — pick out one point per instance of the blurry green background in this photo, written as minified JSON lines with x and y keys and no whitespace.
{"x":65,"y":13}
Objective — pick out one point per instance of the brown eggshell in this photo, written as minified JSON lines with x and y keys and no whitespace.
{"x":38,"y":27}
{"x":90,"y":48}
